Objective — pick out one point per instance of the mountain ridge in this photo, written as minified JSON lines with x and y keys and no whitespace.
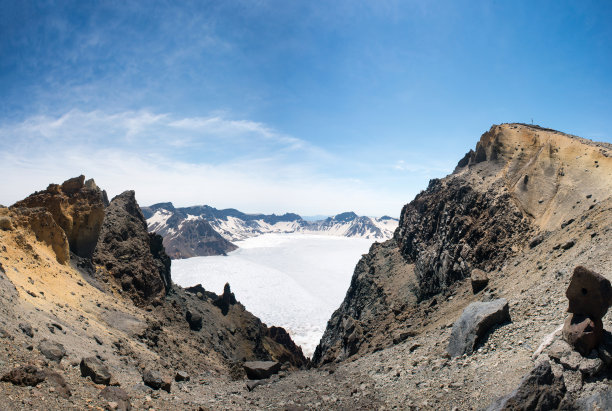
{"x":222,"y":227}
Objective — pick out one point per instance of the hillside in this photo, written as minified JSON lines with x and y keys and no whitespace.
{"x":205,"y":230}
{"x":522,"y":209}
{"x":78,"y":271}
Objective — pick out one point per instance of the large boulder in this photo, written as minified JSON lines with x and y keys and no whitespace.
{"x":474,"y":322}
{"x":258,"y":370}
{"x":539,"y":390}
{"x":479,"y":280}
{"x":131,"y":256}
{"x":96,"y":370}
{"x":589,"y":293}
{"x":155,"y":380}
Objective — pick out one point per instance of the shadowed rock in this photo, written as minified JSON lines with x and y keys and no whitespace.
{"x":155,"y":380}
{"x":474,"y":322}
{"x":224,"y":301}
{"x":583,"y":333}
{"x":195,"y":320}
{"x":96,"y":370}
{"x":589,"y":293}
{"x":479,"y":280}
{"x":259,"y":370}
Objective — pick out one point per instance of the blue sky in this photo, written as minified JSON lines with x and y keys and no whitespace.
{"x":313,"y":107}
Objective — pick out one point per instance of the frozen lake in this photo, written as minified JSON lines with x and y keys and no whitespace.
{"x":295,"y":281}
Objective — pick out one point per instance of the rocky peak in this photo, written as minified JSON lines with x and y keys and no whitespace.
{"x":77,"y":207}
{"x":126,"y":252}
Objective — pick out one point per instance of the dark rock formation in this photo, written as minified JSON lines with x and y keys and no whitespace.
{"x":452,"y":227}
{"x":259,"y":370}
{"x":479,"y":280}
{"x":126,"y":251}
{"x":28,"y":375}
{"x":195,"y":320}
{"x":583,"y":333}
{"x":26,"y":329}
{"x":589,"y":295}
{"x":196,"y":238}
{"x":474,"y":322}
{"x":539,"y":390}
{"x":225,"y":300}
{"x":59,"y":383}
{"x":155,"y":380}
{"x":96,"y":370}
{"x":182,"y":376}
{"x":281,"y":336}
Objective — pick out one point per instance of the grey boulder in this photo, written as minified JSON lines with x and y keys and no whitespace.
{"x":259,"y":370}
{"x":474,"y":322}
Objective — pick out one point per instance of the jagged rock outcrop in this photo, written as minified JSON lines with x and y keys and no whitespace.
{"x":127,"y":252}
{"x":521,"y":183}
{"x":77,"y":206}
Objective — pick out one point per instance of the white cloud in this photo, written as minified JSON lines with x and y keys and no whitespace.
{"x":196,"y":160}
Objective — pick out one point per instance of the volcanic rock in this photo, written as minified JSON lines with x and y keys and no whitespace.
{"x":26,"y":375}
{"x":589,"y":293}
{"x":128,"y":253}
{"x":182,"y":376}
{"x":259,"y":370}
{"x":195,"y":320}
{"x":26,"y":329}
{"x":59,"y":383}
{"x":583,"y":333}
{"x":226,"y":299}
{"x":474,"y":322}
{"x":94,"y":368}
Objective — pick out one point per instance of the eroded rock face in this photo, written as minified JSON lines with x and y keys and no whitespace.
{"x":127,"y":252}
{"x":452,"y":227}
{"x":258,"y":370}
{"x":76,"y":206}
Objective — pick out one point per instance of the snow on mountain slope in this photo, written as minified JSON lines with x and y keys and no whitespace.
{"x":232,"y":225}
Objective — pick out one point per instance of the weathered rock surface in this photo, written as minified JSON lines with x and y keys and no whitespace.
{"x":96,"y":370}
{"x":226,"y":299}
{"x":76,"y":206}
{"x":128,"y":254}
{"x":474,"y":322}
{"x":195,"y":320}
{"x":259,"y":370}
{"x":26,"y":375}
{"x":589,"y":293}
{"x":539,"y":390}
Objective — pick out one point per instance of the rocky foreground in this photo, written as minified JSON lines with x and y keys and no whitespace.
{"x":465,"y":308}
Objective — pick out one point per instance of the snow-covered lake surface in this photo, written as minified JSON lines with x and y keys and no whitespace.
{"x":295,"y":281}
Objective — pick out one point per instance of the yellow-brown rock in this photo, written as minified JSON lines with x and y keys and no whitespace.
{"x":76,"y":206}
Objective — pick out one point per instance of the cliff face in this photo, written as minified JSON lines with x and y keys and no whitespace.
{"x":521,"y":182}
{"x":124,"y":251}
